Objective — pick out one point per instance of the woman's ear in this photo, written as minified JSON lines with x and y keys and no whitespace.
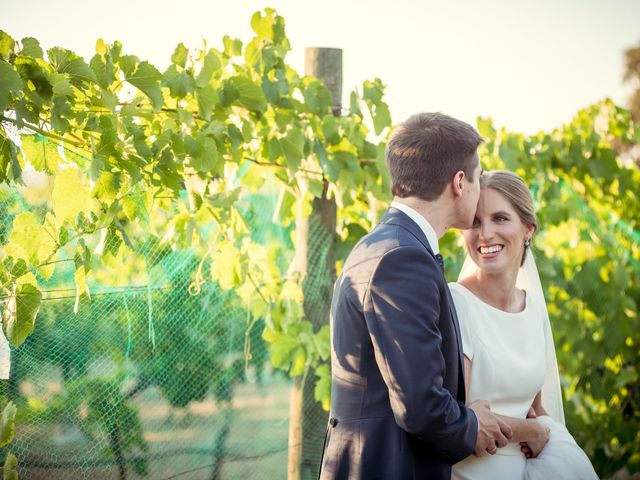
{"x":530,"y":229}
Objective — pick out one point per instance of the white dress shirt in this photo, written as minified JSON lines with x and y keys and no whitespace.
{"x":422,"y":222}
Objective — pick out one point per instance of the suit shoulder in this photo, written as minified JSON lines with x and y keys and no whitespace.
{"x":393,"y":235}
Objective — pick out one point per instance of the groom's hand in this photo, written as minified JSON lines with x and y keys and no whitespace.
{"x":493,"y":433}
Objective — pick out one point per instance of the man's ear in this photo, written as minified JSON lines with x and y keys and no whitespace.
{"x":457,"y":183}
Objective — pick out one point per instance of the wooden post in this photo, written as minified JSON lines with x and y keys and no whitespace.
{"x":326,"y":64}
{"x":315,"y":238}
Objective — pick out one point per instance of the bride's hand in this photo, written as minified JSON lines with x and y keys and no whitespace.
{"x":534,"y":446}
{"x":537,"y":410}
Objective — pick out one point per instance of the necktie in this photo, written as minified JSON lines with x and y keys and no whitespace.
{"x":440,"y":261}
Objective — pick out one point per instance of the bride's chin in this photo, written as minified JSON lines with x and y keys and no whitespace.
{"x":487,"y":266}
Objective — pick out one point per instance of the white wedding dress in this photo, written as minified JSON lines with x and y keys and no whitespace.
{"x":512,"y":359}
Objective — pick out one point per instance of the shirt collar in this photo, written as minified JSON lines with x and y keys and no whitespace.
{"x":422,"y":222}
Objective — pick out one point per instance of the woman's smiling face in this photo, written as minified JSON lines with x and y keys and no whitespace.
{"x":496,"y":240}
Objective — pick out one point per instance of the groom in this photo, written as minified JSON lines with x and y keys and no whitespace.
{"x":397,"y":408}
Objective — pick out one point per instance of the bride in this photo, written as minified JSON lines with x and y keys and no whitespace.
{"x":508,"y":348}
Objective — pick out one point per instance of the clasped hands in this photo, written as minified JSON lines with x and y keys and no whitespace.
{"x":494,"y":432}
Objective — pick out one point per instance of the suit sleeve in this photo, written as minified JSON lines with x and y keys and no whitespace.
{"x":403,"y":314}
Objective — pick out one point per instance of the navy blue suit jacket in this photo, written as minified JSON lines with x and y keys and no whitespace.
{"x":397,"y":405}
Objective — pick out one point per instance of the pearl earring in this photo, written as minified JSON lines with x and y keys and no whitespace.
{"x":527,"y":242}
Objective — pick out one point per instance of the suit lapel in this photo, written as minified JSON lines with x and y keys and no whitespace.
{"x":456,"y":327}
{"x":396,"y":217}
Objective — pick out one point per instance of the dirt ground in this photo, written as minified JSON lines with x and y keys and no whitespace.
{"x":180,"y":441}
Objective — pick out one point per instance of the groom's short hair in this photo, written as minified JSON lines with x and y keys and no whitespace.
{"x":425,"y":152}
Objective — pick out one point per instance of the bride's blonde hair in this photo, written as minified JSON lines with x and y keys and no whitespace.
{"x":513,"y":188}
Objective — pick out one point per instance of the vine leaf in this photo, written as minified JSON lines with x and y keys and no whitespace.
{"x":250,"y":95}
{"x":82,"y":263}
{"x":9,"y":158}
{"x":6,"y":45}
{"x":10,"y":83}
{"x":7,"y":424}
{"x":41,"y":153}
{"x":20,"y":310}
{"x":146,"y":78}
{"x":31,"y":47}
{"x":70,"y":196}
{"x":292,"y":145}
{"x":65,"y":61}
{"x":10,"y":470}
{"x":32,"y":242}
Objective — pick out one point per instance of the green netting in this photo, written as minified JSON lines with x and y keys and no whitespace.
{"x":159,"y":377}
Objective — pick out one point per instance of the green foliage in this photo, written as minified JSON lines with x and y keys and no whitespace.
{"x":34,"y":242}
{"x":7,"y":424}
{"x":10,"y":83}
{"x":105,"y":414}
{"x":193,"y":128}
{"x":20,"y":310}
{"x":41,"y":153}
{"x":322,"y":391}
{"x":10,"y":469}
{"x":66,"y":207}
{"x":7,"y":431}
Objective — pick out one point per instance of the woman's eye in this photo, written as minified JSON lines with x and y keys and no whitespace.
{"x":500,"y":218}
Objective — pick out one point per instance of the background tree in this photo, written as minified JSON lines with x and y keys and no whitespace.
{"x":632,"y":74}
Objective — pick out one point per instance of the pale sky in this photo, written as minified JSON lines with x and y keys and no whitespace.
{"x":529,"y":64}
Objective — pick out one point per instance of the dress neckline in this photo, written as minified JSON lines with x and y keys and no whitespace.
{"x":478,"y":299}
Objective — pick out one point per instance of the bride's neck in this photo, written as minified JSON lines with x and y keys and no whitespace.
{"x":498,"y":290}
